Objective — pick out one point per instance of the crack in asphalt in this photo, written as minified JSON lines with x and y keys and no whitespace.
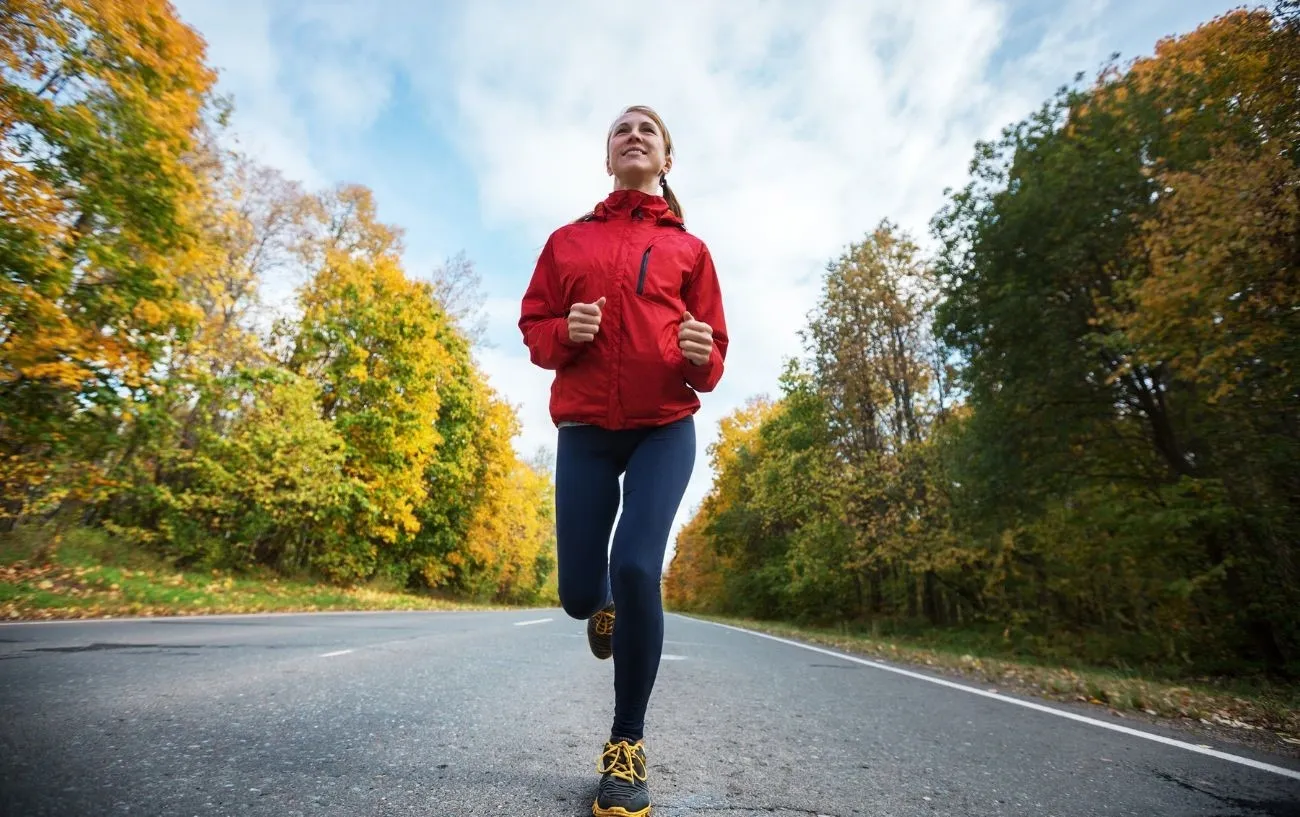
{"x":1271,"y":808}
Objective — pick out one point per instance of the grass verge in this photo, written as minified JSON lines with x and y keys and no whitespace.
{"x":1256,"y":712}
{"x":92,"y":576}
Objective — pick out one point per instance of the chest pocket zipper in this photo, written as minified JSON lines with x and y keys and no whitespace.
{"x":645,"y":262}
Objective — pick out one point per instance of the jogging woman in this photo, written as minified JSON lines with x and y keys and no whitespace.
{"x":624,"y":306}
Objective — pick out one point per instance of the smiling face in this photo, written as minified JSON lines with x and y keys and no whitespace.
{"x":639,"y":151}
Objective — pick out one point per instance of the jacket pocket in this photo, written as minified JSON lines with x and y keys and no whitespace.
{"x":658,"y":272}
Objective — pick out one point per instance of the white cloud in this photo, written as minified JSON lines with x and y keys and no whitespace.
{"x":242,"y":47}
{"x":346,"y":93}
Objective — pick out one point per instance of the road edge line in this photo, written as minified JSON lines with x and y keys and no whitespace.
{"x":1114,"y":727}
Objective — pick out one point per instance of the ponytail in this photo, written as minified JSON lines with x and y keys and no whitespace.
{"x":671,"y":197}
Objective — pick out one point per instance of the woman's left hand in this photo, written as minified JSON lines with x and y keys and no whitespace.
{"x":695,"y":339}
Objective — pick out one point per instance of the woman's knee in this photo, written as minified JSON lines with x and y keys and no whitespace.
{"x":581,"y":603}
{"x":632,"y":576}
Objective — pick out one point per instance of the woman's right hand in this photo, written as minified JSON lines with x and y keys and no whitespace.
{"x":584,"y":321}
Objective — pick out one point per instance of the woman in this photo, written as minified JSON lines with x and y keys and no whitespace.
{"x":624,"y":306}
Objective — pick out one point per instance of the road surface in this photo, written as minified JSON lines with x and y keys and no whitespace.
{"x":471,"y":713}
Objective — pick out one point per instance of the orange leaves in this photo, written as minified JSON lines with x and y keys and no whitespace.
{"x":694,"y":581}
{"x":1221,"y":290}
{"x":1216,"y":300}
{"x":148,"y":313}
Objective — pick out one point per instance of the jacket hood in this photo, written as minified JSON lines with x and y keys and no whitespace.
{"x":630,"y":203}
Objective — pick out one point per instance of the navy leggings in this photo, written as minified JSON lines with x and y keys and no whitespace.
{"x":656,"y":466}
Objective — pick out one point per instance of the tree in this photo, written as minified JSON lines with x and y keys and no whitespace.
{"x":247,"y":224}
{"x":459,"y":290}
{"x":99,"y":106}
{"x":263,"y":482}
{"x":370,"y":337}
{"x":873,"y":362}
{"x":870,"y":345}
{"x":1124,"y":356}
{"x":507,"y":552}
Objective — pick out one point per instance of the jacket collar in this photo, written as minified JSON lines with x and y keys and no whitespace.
{"x":635,"y":203}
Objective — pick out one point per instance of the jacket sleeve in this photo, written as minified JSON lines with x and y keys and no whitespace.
{"x":703,"y":297}
{"x":543,"y":319}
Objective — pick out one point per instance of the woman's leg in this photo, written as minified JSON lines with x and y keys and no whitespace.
{"x":656,"y":478}
{"x":586,"y":501}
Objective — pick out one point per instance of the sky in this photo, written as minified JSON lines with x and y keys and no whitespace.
{"x":798,"y":126}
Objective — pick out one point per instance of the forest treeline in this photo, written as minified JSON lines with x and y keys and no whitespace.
{"x":1074,"y":423}
{"x":146,"y":390}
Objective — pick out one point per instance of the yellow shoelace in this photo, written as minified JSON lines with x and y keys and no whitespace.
{"x":624,"y":761}
{"x":604,"y":623}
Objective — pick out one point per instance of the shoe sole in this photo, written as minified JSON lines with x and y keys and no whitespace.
{"x":618,"y":811}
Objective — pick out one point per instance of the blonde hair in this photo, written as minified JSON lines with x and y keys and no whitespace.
{"x":669,"y":196}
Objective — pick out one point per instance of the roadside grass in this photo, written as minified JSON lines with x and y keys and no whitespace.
{"x":92,"y":575}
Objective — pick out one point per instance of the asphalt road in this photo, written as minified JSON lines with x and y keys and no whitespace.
{"x":504,"y":714}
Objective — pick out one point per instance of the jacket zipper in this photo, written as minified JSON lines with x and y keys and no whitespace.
{"x":640,"y":281}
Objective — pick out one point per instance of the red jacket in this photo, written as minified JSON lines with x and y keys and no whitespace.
{"x":633,"y":251}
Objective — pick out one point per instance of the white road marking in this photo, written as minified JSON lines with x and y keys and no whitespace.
{"x":1114,"y":727}
{"x":336,"y":652}
{"x":534,"y":621}
{"x":667,"y":657}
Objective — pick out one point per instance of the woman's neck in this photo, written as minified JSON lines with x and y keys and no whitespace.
{"x":649,"y":186}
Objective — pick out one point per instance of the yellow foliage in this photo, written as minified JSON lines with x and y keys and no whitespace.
{"x":370,"y":333}
{"x":511,"y":527}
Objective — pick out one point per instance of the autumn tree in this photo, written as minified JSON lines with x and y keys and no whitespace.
{"x":216,"y":378}
{"x":507,"y":552}
{"x":146,"y":389}
{"x":870,"y":343}
{"x":1215,"y":308}
{"x":693,"y":581}
{"x":874,"y":362}
{"x":369,"y":336}
{"x":1127,"y":358}
{"x":736,"y":524}
{"x":99,"y":105}
{"x":254,"y":219}
{"x":469,"y":472}
{"x":262,"y":483}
